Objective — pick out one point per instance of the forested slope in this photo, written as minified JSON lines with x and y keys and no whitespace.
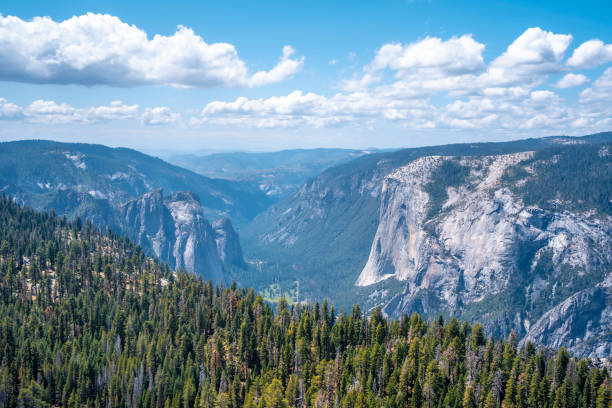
{"x":87,"y":320}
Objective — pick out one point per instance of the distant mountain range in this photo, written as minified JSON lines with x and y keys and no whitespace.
{"x":275,"y":173}
{"x":124,"y":189}
{"x":45,"y":173}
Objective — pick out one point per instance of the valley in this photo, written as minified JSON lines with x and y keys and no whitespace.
{"x":463,"y":230}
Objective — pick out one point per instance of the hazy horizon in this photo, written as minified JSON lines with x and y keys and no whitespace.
{"x":168,"y":152}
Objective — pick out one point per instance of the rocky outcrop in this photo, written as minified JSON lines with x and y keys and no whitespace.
{"x":581,"y":323}
{"x":486,"y":249}
{"x":175,"y":230}
{"x":228,"y":243}
{"x":465,"y":253}
{"x":399,"y":246}
{"x":149,"y":223}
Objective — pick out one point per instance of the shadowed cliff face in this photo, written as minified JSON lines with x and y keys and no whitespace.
{"x":228,"y":243}
{"x":175,"y":230}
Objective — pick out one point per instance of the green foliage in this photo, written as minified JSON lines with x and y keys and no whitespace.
{"x":86,"y":320}
{"x":572,"y":178}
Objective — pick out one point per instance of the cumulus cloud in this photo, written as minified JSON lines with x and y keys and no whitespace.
{"x":534,"y":48}
{"x":590,"y":54}
{"x":356,"y":84}
{"x":117,"y":110}
{"x":456,"y":68}
{"x":533,"y":54}
{"x":285,"y":68}
{"x":43,"y":111}
{"x":97,"y":49}
{"x":502,"y":94}
{"x":299,"y":108}
{"x":431,"y":83}
{"x":596,"y":103}
{"x":571,"y":80}
{"x":456,"y":55}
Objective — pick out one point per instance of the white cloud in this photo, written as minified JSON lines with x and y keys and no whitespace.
{"x":101,"y":49}
{"x":590,"y":54}
{"x":9,"y":110}
{"x":601,"y":91}
{"x":456,"y":55}
{"x":534,"y":54}
{"x":534,"y":48}
{"x":161,"y":115}
{"x":571,"y":80}
{"x":298,"y":108}
{"x":44,"y":111}
{"x":358,"y":84}
{"x":542,"y":96}
{"x":456,"y":68}
{"x":432,"y":83}
{"x":285,"y":68}
{"x":51,"y":112}
{"x":117,"y":110}
{"x":437,"y":83}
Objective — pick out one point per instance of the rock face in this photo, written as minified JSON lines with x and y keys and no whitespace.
{"x":487,"y":256}
{"x":122,"y":189}
{"x":583,"y":323}
{"x":175,"y":230}
{"x":472,"y":244}
{"x":150,"y":224}
{"x":400,"y":242}
{"x":228,"y":243}
{"x":518,"y":229}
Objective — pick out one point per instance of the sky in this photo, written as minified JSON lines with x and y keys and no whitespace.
{"x":229,"y":75}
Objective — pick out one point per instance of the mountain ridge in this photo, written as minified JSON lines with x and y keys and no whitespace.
{"x":326,"y":229}
{"x":105,"y":185}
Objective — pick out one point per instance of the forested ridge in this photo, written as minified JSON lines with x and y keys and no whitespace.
{"x":86,"y":320}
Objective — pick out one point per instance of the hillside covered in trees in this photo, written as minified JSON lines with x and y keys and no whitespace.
{"x":87,"y":320}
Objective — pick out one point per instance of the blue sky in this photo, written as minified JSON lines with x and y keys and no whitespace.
{"x":245,"y":75}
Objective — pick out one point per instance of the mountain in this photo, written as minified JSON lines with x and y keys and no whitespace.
{"x":499,"y":233}
{"x":123,"y":189}
{"x":487,"y":249}
{"x":86,"y":319}
{"x":174,"y":229}
{"x":275,"y":173}
{"x":76,"y":176}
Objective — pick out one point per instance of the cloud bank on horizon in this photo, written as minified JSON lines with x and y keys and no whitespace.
{"x":428,"y":83}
